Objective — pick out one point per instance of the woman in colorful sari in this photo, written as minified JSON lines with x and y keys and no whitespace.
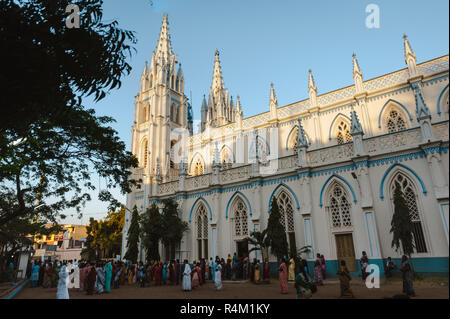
{"x":164,"y":273}
{"x":123,"y":274}
{"x":100,"y":280}
{"x":91,"y":278}
{"x":218,"y":278}
{"x":108,"y":277}
{"x":173,"y":273}
{"x":302,"y":285}
{"x":55,"y":274}
{"x":344,"y":279}
{"x":257,"y":272}
{"x":291,"y":270}
{"x":187,"y":277}
{"x":158,"y":274}
{"x":408,"y":277}
{"x":266,"y":271}
{"x":283,"y":277}
{"x":48,"y":272}
{"x":318,"y":272}
{"x":130,"y":274}
{"x":63,"y":292}
{"x":34,"y":274}
{"x":324,"y":267}
{"x":195,"y":277}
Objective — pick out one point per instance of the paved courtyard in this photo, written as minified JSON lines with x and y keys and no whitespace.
{"x":425,"y":289}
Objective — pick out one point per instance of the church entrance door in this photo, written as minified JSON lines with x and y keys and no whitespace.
{"x":242,"y":248}
{"x":346,"y":250}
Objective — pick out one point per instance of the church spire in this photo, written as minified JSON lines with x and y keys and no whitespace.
{"x":355,"y":125}
{"x":217,"y":84}
{"x":312,"y":90}
{"x":410,"y":57}
{"x":273,"y":103}
{"x":164,"y":48}
{"x":357,"y":75}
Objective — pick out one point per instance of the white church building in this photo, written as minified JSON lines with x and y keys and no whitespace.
{"x":332,"y":161}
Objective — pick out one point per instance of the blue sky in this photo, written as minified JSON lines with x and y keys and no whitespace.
{"x":262,"y":41}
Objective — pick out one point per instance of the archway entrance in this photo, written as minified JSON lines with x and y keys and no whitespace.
{"x":345,"y":250}
{"x":242,"y":248}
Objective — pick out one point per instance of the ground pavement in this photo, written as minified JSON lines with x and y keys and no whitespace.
{"x":425,"y":289}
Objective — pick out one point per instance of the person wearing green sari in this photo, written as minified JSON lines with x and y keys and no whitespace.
{"x":344,"y":279}
{"x":303,"y":285}
{"x":108,"y":276}
{"x":408,"y":277}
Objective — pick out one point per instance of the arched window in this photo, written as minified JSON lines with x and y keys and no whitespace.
{"x":240,"y":218}
{"x":287,"y":216}
{"x":339,"y":207}
{"x":410,"y":194}
{"x":395,"y":121}
{"x":198,"y":168}
{"x":343,"y":132}
{"x":202,"y":231}
{"x":144,"y":156}
{"x":263,"y":149}
{"x":225,"y":158}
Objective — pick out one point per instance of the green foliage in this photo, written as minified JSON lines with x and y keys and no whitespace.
{"x":105,"y":236}
{"x":260,"y":241}
{"x":401,"y":224}
{"x":276,"y":232}
{"x":50,"y":144}
{"x":133,"y":237}
{"x":172,"y":226}
{"x":151,"y":232}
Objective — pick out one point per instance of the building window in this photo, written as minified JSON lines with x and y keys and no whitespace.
{"x":287,"y":216}
{"x":408,"y":189}
{"x":198,"y":167}
{"x":240,"y":218}
{"x":202,"y":231}
{"x":144,"y":156}
{"x":395,"y":122}
{"x":339,"y":207}
{"x":343,"y":133}
{"x":226,"y":159}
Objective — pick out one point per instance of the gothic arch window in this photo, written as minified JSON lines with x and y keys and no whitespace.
{"x":144,"y":155}
{"x":202,"y":231}
{"x":197,"y":167}
{"x":343,"y":132}
{"x":394,"y":120}
{"x":263,"y":149}
{"x":339,"y":207}
{"x":226,"y":158}
{"x":286,"y":207}
{"x":240,"y":218}
{"x":410,"y":194}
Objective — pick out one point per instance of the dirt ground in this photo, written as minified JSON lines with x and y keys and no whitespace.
{"x":425,"y":289}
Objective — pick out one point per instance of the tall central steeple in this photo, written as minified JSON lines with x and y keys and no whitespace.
{"x":164,"y":48}
{"x":220,"y":109}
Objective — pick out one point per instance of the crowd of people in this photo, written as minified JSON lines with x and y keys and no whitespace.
{"x":99,"y":277}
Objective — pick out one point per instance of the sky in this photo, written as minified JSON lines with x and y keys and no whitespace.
{"x":264,"y":41}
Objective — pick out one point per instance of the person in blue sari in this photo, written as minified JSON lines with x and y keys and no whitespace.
{"x":100,"y":279}
{"x":108,"y":276}
{"x":408,"y":277}
{"x":34,"y":275}
{"x":164,"y":273}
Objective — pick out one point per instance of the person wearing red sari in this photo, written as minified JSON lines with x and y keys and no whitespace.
{"x":83,"y":274}
{"x":196,"y":277}
{"x":90,"y":279}
{"x":283,"y":277}
{"x":158,"y":276}
{"x":266,"y":271}
{"x":173,"y":275}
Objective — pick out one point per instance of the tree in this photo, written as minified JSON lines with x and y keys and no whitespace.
{"x":401,"y":224}
{"x":90,"y":251}
{"x":173,"y":227}
{"x":260,"y":240}
{"x":133,"y":237}
{"x":151,"y":233}
{"x":50,"y":144}
{"x":276,"y":232}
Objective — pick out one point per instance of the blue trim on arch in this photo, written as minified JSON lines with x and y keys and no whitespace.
{"x":289,"y":189}
{"x":231,"y":151}
{"x":394,"y":102}
{"x":243,"y":197}
{"x":408,"y":169}
{"x":439,"y":100}
{"x":195,"y":203}
{"x":343,"y":180}
{"x":334,"y":120}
